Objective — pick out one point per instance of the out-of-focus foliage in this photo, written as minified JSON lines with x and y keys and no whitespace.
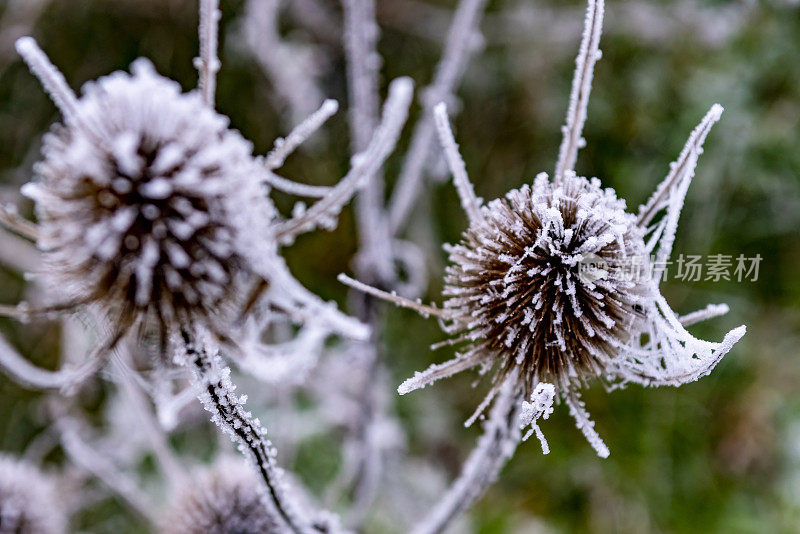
{"x":721,"y":455}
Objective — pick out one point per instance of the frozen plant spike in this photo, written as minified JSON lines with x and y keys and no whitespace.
{"x":577,"y":409}
{"x":540,"y":407}
{"x":709,"y":312}
{"x":422,"y":309}
{"x":53,"y":82}
{"x":581,"y":89}
{"x":466,"y":193}
{"x":207,"y":64}
{"x":285,"y":147}
{"x":683,"y":166}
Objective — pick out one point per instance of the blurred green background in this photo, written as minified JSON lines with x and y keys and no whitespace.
{"x":719,"y":455}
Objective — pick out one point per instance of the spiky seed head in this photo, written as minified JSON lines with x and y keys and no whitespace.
{"x":29,"y":502}
{"x":131,"y":198}
{"x":547,"y":282}
{"x":224,"y":499}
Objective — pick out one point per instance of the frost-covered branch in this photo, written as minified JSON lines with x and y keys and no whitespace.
{"x":228,"y":412}
{"x":423,"y":309}
{"x":458,"y":169}
{"x":588,"y":55}
{"x":709,"y":312}
{"x":461,"y":42}
{"x":364,"y":165}
{"x":207,"y":64}
{"x":501,"y":435}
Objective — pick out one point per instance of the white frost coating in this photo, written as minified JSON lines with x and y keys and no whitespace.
{"x":418,"y":307}
{"x":683,"y":165}
{"x":285,"y":147}
{"x":207,"y":64}
{"x":588,"y":55}
{"x":577,"y":409}
{"x":50,"y":77}
{"x":455,"y":162}
{"x":364,"y":165}
{"x":540,"y":407}
{"x":463,"y":39}
{"x":709,"y":312}
{"x":228,"y":413}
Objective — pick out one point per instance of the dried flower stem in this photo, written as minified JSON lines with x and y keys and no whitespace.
{"x":501,"y":435}
{"x":208,"y":64}
{"x":588,"y":55}
{"x":229,"y":414}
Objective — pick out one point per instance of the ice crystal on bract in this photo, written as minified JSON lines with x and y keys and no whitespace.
{"x":224,"y":499}
{"x":555,"y":283}
{"x":133,"y":203}
{"x":519,"y":290}
{"x":29,"y":502}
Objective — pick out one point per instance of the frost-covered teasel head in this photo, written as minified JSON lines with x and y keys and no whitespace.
{"x":224,"y":499}
{"x":557,"y":283}
{"x":29,"y":502}
{"x":520,"y":287}
{"x":133,"y":200}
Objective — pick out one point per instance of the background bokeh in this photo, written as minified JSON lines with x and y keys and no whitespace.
{"x":719,"y":455}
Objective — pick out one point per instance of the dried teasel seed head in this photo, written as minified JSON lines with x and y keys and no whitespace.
{"x":29,"y":502}
{"x":132,"y":198}
{"x":227,"y":498}
{"x":548,"y":281}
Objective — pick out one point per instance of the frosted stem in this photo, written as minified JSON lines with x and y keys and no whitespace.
{"x":588,"y":55}
{"x":50,"y":77}
{"x":461,"y":42}
{"x":285,"y":147}
{"x":296,"y":188}
{"x":208,"y":64}
{"x":455,"y":162}
{"x":686,"y":162}
{"x":709,"y":312}
{"x":577,"y":409}
{"x":227,"y":412}
{"x":12,"y":220}
{"x":364,"y":165}
{"x":418,"y":307}
{"x":501,"y":435}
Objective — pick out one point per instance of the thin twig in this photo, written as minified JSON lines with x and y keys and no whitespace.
{"x":588,"y":55}
{"x":466,"y":192}
{"x":207,"y":64}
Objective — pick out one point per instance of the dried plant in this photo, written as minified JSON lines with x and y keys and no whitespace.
{"x":156,"y":228}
